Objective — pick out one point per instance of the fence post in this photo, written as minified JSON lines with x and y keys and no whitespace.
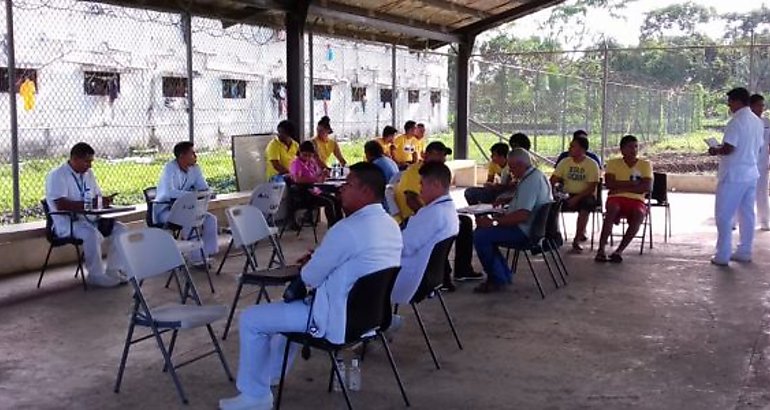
{"x":752,"y":88}
{"x":11,"y":52}
{"x":311,"y":74}
{"x":605,"y":79}
{"x":393,"y":94}
{"x":187,"y":27}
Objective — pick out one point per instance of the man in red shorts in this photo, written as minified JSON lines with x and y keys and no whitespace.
{"x":628,"y":180}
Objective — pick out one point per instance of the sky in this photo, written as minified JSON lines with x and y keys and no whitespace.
{"x":626,"y":30}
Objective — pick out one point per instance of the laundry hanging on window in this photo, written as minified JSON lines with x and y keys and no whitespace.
{"x":113,"y":89}
{"x":27,"y":91}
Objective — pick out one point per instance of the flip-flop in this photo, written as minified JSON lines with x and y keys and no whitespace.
{"x":600,"y":257}
{"x":576,"y":248}
{"x":616,"y":258}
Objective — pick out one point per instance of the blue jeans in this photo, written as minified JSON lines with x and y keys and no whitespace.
{"x":487,"y":240}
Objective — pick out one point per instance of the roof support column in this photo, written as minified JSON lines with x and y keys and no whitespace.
{"x":295,"y":65}
{"x":187,"y":27}
{"x":465,"y":47}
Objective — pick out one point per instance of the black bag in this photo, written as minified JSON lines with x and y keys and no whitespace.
{"x":296,"y":290}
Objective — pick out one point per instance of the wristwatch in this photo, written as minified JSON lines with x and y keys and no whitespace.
{"x":495,"y":222}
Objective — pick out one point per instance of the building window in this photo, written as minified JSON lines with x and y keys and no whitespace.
{"x":233,"y":89}
{"x":322,"y":92}
{"x":174,"y":87}
{"x":435,"y":97}
{"x":386,"y":95}
{"x":22,"y":74}
{"x":358,"y":94}
{"x":101,"y":83}
{"x":413,"y":96}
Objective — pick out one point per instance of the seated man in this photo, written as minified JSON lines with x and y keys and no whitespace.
{"x":578,"y":177}
{"x":432,"y":223}
{"x":374,"y":154}
{"x":179,"y":177}
{"x":387,"y":141}
{"x":66,"y":189}
{"x":628,"y":179}
{"x":408,"y":188}
{"x":348,"y":251}
{"x":281,"y":150}
{"x":488,"y":193}
{"x":405,"y":151}
{"x":582,"y":135}
{"x":512,"y":227}
{"x":306,"y":171}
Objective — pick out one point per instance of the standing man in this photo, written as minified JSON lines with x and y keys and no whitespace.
{"x":405,"y":151}
{"x":421,"y":142}
{"x":763,"y":164}
{"x":66,"y":189}
{"x":179,"y":177}
{"x":737,"y":175}
{"x":349,"y":251}
{"x":281,"y":150}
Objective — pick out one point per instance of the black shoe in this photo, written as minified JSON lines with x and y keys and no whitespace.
{"x":448,"y":287}
{"x":471,"y":275}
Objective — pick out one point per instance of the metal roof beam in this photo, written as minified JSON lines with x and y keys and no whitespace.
{"x":520,"y":11}
{"x":456,"y":7}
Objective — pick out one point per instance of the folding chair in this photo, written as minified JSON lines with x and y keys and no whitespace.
{"x":187,"y":213}
{"x":55,"y":241}
{"x":659,"y":195}
{"x":150,"y":193}
{"x":249,"y":226}
{"x":430,"y":286}
{"x":536,"y":240}
{"x":549,"y":243}
{"x":368,"y":308}
{"x":267,"y":198}
{"x":149,"y":253}
{"x":310,"y":218}
{"x":599,"y":209}
{"x":645,"y":227}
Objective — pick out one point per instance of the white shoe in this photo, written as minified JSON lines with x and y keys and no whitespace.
{"x":102,"y":281}
{"x":740,"y":258}
{"x":245,"y":402}
{"x":715,"y":261}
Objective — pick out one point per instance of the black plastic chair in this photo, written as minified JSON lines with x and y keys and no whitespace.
{"x":549,"y":241}
{"x":368,"y":312}
{"x":311,"y":215}
{"x":430,"y":286}
{"x":598,"y":209}
{"x":55,"y":241}
{"x":537,"y":241}
{"x":659,"y":199}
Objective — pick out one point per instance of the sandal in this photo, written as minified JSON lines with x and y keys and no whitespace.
{"x":616,"y":258}
{"x":601,"y":257}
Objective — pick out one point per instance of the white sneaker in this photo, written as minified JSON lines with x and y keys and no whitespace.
{"x":715,"y":261}
{"x":102,"y":281}
{"x":740,"y":258}
{"x":245,"y":402}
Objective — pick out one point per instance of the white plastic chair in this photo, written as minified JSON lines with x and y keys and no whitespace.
{"x":188,"y":213}
{"x":249,"y":226}
{"x":149,"y":253}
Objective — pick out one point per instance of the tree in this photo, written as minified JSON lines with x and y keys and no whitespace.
{"x":684,"y":17}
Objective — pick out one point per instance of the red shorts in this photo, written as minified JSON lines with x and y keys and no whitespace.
{"x":627,"y":206}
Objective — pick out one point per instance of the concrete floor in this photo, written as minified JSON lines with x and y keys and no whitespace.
{"x":665,"y":330}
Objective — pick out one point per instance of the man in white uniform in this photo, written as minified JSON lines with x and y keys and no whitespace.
{"x":433,"y":223}
{"x":66,"y":189}
{"x":181,"y":176}
{"x":737,"y":186}
{"x":763,"y":164}
{"x":368,"y":240}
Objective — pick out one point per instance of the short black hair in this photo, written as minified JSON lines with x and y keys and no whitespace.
{"x":579,"y":133}
{"x":388,"y":130}
{"x":326,"y":122}
{"x":739,"y":94}
{"x":371,"y":176}
{"x":755,"y":98}
{"x":409,"y":125}
{"x":437,"y":172}
{"x":288,"y":127}
{"x":500,"y":149}
{"x":307,"y":146}
{"x":627,"y":140}
{"x":182,"y":148}
{"x":519,"y":140}
{"x":81,"y":150}
{"x":582,"y":141}
{"x":373,"y":148}
{"x":420,"y":125}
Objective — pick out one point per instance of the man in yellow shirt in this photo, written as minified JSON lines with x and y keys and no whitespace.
{"x":386,"y":141}
{"x":488,"y":193}
{"x":628,"y":180}
{"x":577,"y":175}
{"x":325,"y":146}
{"x":408,"y":188}
{"x":405,"y":152}
{"x":419,"y":145}
{"x":282,"y":150}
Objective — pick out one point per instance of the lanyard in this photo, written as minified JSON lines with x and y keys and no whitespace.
{"x":81,"y":183}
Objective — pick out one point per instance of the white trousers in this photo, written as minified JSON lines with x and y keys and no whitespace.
{"x":209,"y":237}
{"x":92,"y":247}
{"x":732,"y":198}
{"x":262,"y":347}
{"x":763,"y":202}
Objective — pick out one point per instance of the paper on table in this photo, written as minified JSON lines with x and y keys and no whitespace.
{"x":711,"y":142}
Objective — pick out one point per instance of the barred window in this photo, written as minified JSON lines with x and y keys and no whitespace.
{"x":174,"y":87}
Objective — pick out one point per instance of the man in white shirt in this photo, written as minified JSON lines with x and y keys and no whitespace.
{"x":757,"y":103}
{"x":432,"y":223}
{"x":737,"y":178}
{"x":179,"y":177}
{"x":368,"y":240}
{"x":66,"y":189}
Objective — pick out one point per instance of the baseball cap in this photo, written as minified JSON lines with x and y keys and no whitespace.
{"x":438,"y":146}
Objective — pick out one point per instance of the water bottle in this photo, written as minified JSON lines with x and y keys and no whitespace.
{"x":88,"y":203}
{"x":354,"y":376}
{"x":340,"y":363}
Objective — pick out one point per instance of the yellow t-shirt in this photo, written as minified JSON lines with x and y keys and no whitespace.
{"x":493,"y":169}
{"x":405,"y":146}
{"x":385,"y":146}
{"x":277,"y":150}
{"x":577,"y":176}
{"x":617,"y":167}
{"x":410,"y":181}
{"x":419,"y":146}
{"x":324,"y":149}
